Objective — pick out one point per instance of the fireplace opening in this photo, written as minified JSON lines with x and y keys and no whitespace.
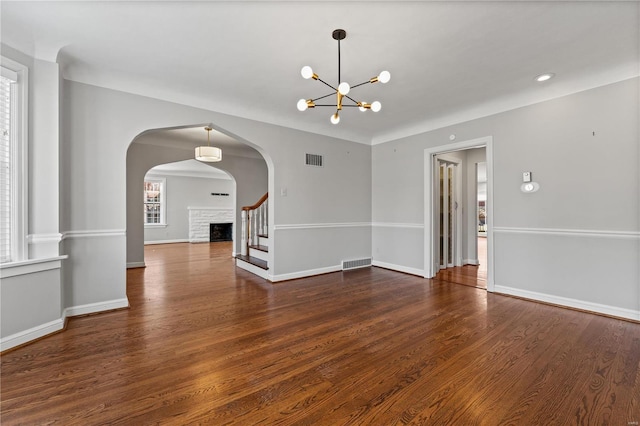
{"x":220,"y":232}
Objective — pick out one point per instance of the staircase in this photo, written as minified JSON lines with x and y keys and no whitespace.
{"x":254,"y":255}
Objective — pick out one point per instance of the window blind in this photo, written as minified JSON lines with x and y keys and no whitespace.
{"x":7,"y":120}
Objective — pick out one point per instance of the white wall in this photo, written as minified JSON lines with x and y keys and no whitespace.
{"x":575,"y":241}
{"x":182,"y":192}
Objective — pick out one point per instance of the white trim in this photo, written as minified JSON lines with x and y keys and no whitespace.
{"x":95,"y":233}
{"x":568,"y":232}
{"x":430,"y":269}
{"x":31,"y":334}
{"x":572,"y":303}
{"x":92,"y":308}
{"x":399,"y":268}
{"x":44,"y":238}
{"x":398,"y":225}
{"x":32,"y":266}
{"x":321,"y":225}
{"x":304,"y":274}
{"x":149,"y":243}
{"x":471,"y":261}
{"x":132,"y":265}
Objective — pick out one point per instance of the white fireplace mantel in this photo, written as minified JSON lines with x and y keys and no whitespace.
{"x":201,"y":217}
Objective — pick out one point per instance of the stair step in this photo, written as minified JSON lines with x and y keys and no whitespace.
{"x":261,"y":248}
{"x":254,"y":261}
{"x":263,"y":235}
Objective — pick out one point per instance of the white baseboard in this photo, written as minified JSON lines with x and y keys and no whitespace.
{"x":31,"y":334}
{"x":50,"y":327}
{"x":136,"y":265}
{"x":92,"y":308}
{"x":262,"y":273}
{"x":470,"y":262}
{"x":571,"y":303}
{"x":303,"y":274}
{"x":399,"y":268}
{"x":148,"y":243}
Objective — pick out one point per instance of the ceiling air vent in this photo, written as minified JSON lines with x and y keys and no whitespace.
{"x":313,"y":160}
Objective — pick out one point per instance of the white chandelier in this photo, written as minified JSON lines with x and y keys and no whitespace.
{"x":208,"y":153}
{"x":343,"y":89}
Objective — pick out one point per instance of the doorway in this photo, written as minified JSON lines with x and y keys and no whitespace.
{"x":452,"y":214}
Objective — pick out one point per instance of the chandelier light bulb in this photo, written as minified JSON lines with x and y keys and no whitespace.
{"x":306,"y":72}
{"x":302,"y":105}
{"x":384,"y":77}
{"x":376,"y":106}
{"x":335,"y":118}
{"x":344,"y":88}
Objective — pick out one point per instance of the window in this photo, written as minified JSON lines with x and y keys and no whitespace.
{"x":12,"y":156}
{"x":154,"y":202}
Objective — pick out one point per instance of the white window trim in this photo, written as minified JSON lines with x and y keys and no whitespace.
{"x":163,"y":202}
{"x":20,"y":211}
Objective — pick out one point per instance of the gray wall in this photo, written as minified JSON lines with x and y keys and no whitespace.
{"x":31,"y":293}
{"x":182,"y":192}
{"x":574,"y":242}
{"x":100,"y":125}
{"x":250,"y":174}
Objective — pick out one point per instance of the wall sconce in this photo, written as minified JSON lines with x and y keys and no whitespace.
{"x":530,"y":187}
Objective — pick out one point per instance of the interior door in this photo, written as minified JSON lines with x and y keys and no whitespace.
{"x":446,"y":213}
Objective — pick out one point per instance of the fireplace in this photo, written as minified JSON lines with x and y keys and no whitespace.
{"x":220,"y":232}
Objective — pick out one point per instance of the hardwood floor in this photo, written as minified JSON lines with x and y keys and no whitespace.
{"x":204,"y":342}
{"x":471,"y":275}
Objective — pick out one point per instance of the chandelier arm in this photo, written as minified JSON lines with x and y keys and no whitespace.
{"x":322,"y":81}
{"x":322,"y":97}
{"x":352,"y":100}
{"x":361,"y":84}
{"x":334,"y":105}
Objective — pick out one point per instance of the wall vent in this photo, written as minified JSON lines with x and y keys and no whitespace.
{"x":355,"y":264}
{"x":313,"y":160}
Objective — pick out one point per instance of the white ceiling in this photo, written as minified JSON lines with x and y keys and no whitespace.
{"x":449,"y":61}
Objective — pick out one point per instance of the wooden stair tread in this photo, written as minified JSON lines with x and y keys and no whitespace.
{"x":263,"y":235}
{"x":261,"y":248}
{"x":254,"y":261}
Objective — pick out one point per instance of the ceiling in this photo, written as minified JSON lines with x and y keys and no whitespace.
{"x":449,"y":61}
{"x":192,"y":168}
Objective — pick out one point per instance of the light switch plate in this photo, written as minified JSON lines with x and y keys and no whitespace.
{"x":526,"y":176}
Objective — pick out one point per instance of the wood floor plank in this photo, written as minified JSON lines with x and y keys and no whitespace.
{"x":206,"y":343}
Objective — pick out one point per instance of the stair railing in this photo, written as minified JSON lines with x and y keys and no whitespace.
{"x":254,"y":223}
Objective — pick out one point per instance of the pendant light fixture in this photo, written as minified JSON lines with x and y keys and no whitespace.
{"x":343,"y":89}
{"x":208,"y":153}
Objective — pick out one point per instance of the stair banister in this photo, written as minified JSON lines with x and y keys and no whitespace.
{"x":254,"y":223}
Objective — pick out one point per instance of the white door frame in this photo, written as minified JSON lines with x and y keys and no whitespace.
{"x":430,"y":225}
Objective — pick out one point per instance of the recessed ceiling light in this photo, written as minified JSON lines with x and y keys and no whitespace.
{"x":544,"y":77}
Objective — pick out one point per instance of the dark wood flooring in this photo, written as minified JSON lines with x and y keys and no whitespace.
{"x":206,"y":343}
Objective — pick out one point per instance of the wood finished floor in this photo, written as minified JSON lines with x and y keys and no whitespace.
{"x":471,"y":275}
{"x":206,"y":343}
